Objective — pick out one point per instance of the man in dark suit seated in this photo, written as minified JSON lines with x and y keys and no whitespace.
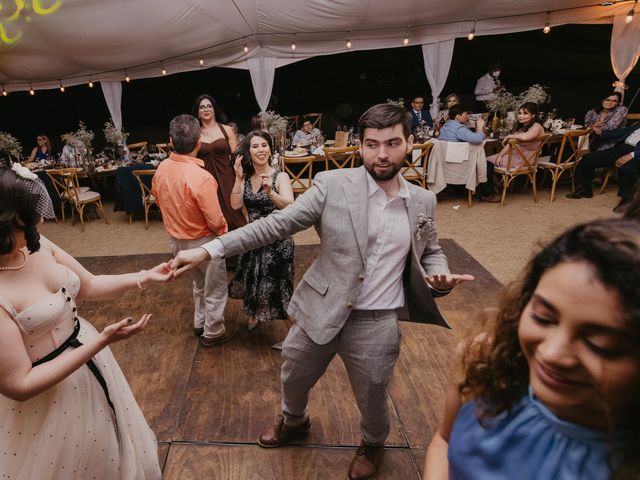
{"x":625,"y":155}
{"x":419,"y":113}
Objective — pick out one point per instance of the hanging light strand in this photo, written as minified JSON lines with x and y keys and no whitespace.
{"x":472,"y":33}
{"x":547,"y":27}
{"x":631,"y":13}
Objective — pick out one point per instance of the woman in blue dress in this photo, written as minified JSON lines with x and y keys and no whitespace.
{"x":264,"y":277}
{"x":43,"y":149}
{"x":552,"y":392}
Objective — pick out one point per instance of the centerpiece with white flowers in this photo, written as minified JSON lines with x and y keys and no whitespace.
{"x":80,"y":142}
{"x":115,"y":139}
{"x":10,"y":148}
{"x":276,"y":125}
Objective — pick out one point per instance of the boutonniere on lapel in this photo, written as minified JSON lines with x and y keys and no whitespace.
{"x":425,"y":222}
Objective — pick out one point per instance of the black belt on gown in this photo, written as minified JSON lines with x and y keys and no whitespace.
{"x":73,"y":341}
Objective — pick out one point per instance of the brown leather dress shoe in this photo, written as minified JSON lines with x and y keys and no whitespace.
{"x":207,"y":342}
{"x":281,"y":434}
{"x":366,"y":463}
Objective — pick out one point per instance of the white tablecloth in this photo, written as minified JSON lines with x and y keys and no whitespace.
{"x":469,"y":172}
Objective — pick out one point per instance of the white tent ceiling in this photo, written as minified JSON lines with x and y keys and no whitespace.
{"x":46,"y":42}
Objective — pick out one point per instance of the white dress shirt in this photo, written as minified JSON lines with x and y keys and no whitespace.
{"x":303,"y":138}
{"x":389,"y":241}
{"x":485,"y":86}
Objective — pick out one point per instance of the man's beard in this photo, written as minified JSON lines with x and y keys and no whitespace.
{"x":386,"y":176}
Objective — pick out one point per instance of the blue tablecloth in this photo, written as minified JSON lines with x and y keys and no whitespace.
{"x":128,"y":195}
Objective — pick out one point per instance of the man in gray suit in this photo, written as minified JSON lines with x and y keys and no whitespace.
{"x":379,"y":261}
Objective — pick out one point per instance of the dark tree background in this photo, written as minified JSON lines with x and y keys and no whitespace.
{"x":573,"y":61}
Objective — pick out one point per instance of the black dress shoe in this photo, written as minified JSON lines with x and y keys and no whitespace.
{"x":622,"y":206}
{"x":198,"y":331}
{"x":581,"y":193}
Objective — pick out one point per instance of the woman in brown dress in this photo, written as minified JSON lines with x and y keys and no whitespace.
{"x":217,"y":141}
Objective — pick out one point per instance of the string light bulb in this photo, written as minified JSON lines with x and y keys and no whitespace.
{"x":127,"y":78}
{"x":31,"y":90}
{"x":293,"y":43}
{"x":631,"y":13}
{"x":472,"y":33}
{"x":90,"y":84}
{"x":4,"y":92}
{"x":547,"y":27}
{"x":61,"y":87}
{"x":245,"y":49}
{"x":164,"y":70}
{"x":349,"y":40}
{"x":201,"y":62}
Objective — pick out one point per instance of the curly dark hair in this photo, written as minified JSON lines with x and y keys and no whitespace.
{"x":496,"y":373}
{"x":243,"y":149}
{"x":17,"y":212}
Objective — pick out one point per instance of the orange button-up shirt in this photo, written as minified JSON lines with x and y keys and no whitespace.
{"x":188,"y":196}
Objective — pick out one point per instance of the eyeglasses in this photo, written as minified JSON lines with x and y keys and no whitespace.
{"x":206,"y":107}
{"x":610,"y":99}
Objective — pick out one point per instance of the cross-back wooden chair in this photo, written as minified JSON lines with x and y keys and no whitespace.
{"x":164,"y":148}
{"x":415,"y":164}
{"x":315,"y":118}
{"x":571,"y":151}
{"x":78,"y":199}
{"x":528,"y":169}
{"x":292,"y":122}
{"x":61,"y":182}
{"x":137,"y":150}
{"x":302,"y":174}
{"x":147,"y":197}
{"x":340,"y":157}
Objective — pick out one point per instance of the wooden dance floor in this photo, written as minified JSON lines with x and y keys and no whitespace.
{"x":208,"y":406}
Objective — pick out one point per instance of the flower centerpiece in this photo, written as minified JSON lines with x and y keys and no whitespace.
{"x":276,"y":126}
{"x":536,"y":93}
{"x":502,"y":102}
{"x":115,"y":140}
{"x":399,"y":102}
{"x":10,"y":148}
{"x":80,"y":142}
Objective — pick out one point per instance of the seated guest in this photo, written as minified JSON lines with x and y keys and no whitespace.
{"x":449,"y":101}
{"x":68,"y":155}
{"x":419,"y":113}
{"x":528,"y":133}
{"x":607,"y":116}
{"x":43,"y":149}
{"x":306,"y":135}
{"x":625,"y":154}
{"x":456,"y":130}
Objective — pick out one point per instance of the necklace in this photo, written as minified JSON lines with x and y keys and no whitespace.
{"x":18,"y":267}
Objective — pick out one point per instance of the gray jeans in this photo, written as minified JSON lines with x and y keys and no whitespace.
{"x":209,"y":289}
{"x":369,"y":345}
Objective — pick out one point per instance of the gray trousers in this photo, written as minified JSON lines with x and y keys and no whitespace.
{"x":209,"y":289}
{"x":369,"y":345}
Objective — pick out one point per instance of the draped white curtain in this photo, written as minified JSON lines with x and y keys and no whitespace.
{"x":625,"y":48}
{"x":437,"y":62}
{"x":113,"y":95}
{"x":263,"y":70}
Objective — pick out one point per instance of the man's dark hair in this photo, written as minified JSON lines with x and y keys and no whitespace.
{"x":456,"y":110}
{"x":385,"y":115}
{"x":184,"y":131}
{"x":17,"y":212}
{"x":415,"y":97}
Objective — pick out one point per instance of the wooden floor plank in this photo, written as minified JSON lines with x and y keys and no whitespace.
{"x":234,"y":462}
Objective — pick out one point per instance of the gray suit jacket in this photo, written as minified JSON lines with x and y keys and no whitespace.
{"x":337,"y":206}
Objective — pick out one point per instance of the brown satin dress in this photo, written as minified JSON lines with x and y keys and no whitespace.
{"x":217,"y":161}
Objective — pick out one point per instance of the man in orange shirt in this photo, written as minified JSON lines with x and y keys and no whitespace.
{"x":187,"y":195}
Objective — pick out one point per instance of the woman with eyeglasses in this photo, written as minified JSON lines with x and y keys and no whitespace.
{"x":609,"y":115}
{"x":217,"y":142}
{"x":43,"y":149}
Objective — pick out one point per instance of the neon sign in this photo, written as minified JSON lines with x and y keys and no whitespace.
{"x":15,"y":13}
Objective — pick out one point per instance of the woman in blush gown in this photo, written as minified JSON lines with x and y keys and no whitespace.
{"x":66,"y":410}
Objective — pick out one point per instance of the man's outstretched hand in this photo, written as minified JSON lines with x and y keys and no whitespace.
{"x":447,"y":281}
{"x":188,"y":259}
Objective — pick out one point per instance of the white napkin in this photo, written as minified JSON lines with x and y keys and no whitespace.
{"x":24,"y":172}
{"x":457,"y":152}
{"x":318,"y":151}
